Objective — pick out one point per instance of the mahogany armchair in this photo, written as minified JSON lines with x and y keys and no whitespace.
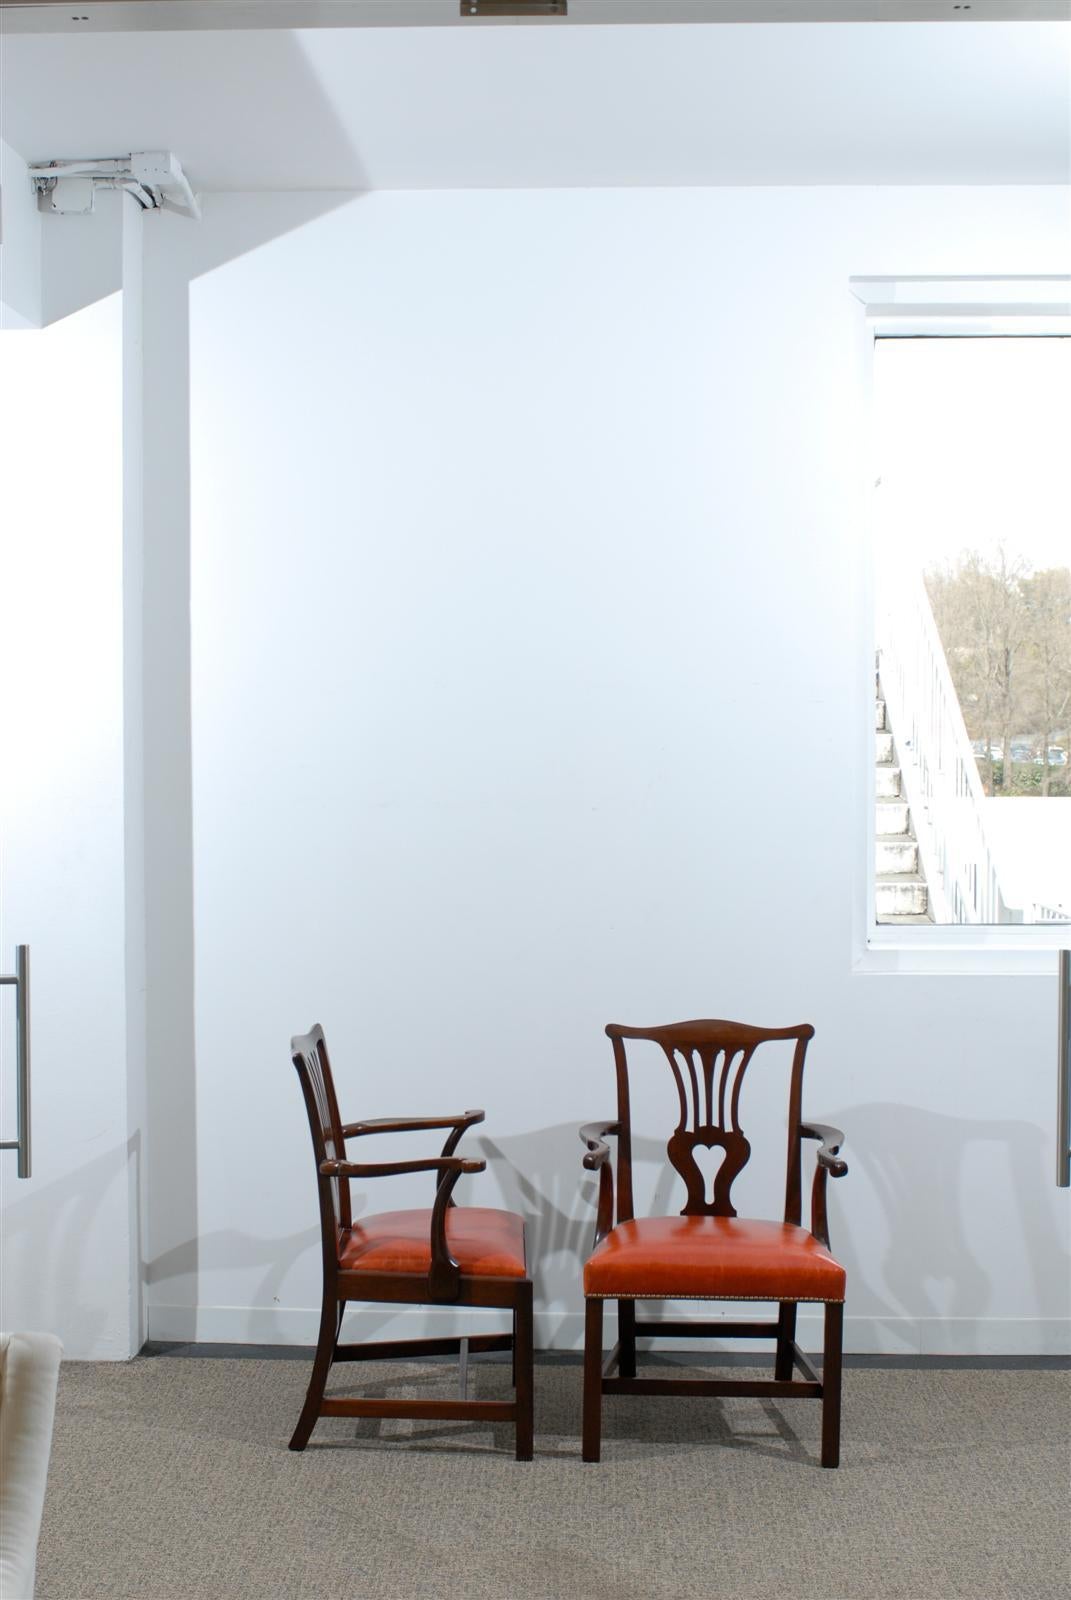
{"x":447,"y":1254}
{"x":708,"y":1252}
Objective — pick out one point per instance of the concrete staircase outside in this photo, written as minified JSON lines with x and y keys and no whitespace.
{"x":901,"y":892}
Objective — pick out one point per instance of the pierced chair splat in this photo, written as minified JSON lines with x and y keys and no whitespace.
{"x":447,"y":1254}
{"x":708,"y":1252}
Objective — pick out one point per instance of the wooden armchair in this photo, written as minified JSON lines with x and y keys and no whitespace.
{"x":448,"y":1254}
{"x":708,"y":1252}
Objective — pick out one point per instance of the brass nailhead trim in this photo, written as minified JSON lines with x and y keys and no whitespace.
{"x":665,"y":1294}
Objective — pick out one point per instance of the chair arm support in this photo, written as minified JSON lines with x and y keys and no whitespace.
{"x":455,"y":1165}
{"x":827,"y":1154}
{"x":828,"y":1164}
{"x":444,"y":1277}
{"x":463,"y":1120}
{"x":597,"y":1159}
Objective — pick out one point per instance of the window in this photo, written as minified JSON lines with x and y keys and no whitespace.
{"x":972,"y":548}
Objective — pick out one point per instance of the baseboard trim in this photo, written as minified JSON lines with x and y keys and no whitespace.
{"x":155,"y":1350}
{"x":564,"y":1330}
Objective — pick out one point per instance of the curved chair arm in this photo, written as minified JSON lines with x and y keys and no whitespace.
{"x":597,"y":1159}
{"x":831,"y":1141}
{"x":463,"y":1120}
{"x":457,"y":1126}
{"x":829,"y":1164}
{"x":388,"y":1169}
{"x":593,"y":1135}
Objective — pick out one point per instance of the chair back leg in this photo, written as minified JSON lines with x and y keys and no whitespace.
{"x":831,"y":1369}
{"x":786,"y":1334}
{"x":626,"y":1333}
{"x":523,"y":1358}
{"x":592,"y":1438}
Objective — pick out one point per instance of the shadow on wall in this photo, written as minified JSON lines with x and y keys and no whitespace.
{"x":228,"y":1250}
{"x":917,"y":1166}
{"x":916,"y":1163}
{"x":49,"y":1260}
{"x":541,"y":1177}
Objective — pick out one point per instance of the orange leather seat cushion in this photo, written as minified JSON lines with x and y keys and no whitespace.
{"x":483,"y":1242}
{"x":711,"y":1258}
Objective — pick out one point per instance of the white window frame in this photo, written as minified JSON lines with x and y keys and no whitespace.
{"x":977,"y":306}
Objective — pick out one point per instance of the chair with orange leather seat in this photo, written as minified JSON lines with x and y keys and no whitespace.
{"x":445,"y":1255}
{"x":708,"y":1252}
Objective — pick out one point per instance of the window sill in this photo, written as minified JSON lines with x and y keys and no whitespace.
{"x":1025,"y":952}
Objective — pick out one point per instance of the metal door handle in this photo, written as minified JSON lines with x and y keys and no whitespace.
{"x":1063,"y":1077}
{"x":21,"y":982}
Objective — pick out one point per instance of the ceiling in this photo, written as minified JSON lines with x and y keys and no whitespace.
{"x":903,"y":103}
{"x":131,"y":15}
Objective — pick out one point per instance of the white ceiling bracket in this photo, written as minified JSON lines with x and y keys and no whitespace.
{"x":154,"y":177}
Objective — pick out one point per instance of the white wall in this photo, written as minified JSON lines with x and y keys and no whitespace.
{"x":70,"y":1242}
{"x":530,"y":690}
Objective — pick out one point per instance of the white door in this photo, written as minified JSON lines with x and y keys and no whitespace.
{"x":68,"y":1245}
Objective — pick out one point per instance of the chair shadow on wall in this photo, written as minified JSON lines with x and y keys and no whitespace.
{"x":539,"y":1175}
{"x":227,"y":1250}
{"x":915,"y":1161}
{"x":47,"y":1236}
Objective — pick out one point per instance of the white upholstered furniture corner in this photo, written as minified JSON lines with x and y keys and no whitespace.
{"x":29,"y":1370}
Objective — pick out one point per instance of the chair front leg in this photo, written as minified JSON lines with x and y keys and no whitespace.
{"x":626,"y":1333}
{"x":786,"y":1334}
{"x":592,"y":1434}
{"x":330,"y":1323}
{"x":831,"y":1369}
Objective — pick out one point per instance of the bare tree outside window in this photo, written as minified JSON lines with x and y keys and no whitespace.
{"x":1006,"y":631}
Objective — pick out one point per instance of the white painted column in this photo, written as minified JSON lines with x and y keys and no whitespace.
{"x":134,"y":741}
{"x":171,"y":1219}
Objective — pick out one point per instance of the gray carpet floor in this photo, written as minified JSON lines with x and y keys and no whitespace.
{"x":170,"y":1478}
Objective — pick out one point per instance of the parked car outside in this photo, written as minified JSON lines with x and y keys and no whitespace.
{"x":995,"y":750}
